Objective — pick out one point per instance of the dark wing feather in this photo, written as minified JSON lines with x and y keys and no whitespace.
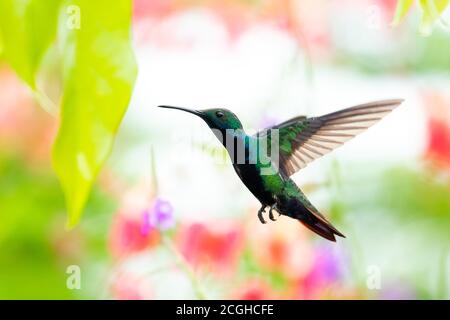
{"x":302,"y":140}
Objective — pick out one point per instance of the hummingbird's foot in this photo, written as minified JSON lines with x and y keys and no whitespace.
{"x":260,"y":214}
{"x":271,"y":217}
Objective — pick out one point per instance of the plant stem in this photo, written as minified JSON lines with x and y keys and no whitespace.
{"x":182,"y":263}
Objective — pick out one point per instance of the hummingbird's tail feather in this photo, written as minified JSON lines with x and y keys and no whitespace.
{"x":321,"y":229}
{"x":318,"y":218}
{"x":316,"y":222}
{"x":293,"y":203}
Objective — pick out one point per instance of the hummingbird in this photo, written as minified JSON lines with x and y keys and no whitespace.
{"x":292,"y":145}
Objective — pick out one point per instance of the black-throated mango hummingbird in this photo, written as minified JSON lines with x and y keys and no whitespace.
{"x":289,"y":147}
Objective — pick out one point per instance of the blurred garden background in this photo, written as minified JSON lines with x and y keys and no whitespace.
{"x":167,"y":217}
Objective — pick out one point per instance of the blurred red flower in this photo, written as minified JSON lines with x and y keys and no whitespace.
{"x":254,"y":290}
{"x":126,"y":236}
{"x":283,"y":248}
{"x":438,"y":126}
{"x":216,"y":248}
{"x":131,"y":230}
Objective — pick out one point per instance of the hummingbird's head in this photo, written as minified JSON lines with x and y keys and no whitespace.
{"x":220,"y":119}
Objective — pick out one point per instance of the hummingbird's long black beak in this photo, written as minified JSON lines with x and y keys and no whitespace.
{"x":196,"y":112}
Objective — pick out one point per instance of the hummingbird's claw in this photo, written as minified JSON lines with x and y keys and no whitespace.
{"x":260,"y":214}
{"x":271,"y":217}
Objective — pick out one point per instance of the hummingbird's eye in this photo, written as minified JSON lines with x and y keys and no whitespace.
{"x":219,"y":114}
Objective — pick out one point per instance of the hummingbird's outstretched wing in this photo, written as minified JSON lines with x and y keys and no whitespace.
{"x":302,"y":140}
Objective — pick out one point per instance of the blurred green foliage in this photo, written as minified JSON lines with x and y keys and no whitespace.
{"x":98,"y":67}
{"x":409,"y":55}
{"x":406,"y":206}
{"x":34,"y":251}
{"x":410,"y":194}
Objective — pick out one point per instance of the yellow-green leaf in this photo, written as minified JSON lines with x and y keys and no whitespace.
{"x":401,"y":10}
{"x":432,"y":10}
{"x":27,"y":29}
{"x":99,"y":73}
{"x":1,"y":45}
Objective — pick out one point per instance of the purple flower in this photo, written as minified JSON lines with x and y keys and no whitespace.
{"x":328,"y":262}
{"x":398,"y":291}
{"x":160,"y":216}
{"x":327,"y":267}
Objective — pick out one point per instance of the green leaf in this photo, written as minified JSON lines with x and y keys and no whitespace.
{"x":432,"y":10}
{"x":1,"y":45}
{"x":401,"y":10}
{"x":99,"y":73}
{"x":27,"y":29}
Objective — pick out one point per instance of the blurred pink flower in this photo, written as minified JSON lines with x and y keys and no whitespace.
{"x":325,"y":271}
{"x":125,"y":288}
{"x":127,"y":285}
{"x":143,"y":8}
{"x":24,"y":126}
{"x":215,"y":248}
{"x":305,"y":21}
{"x":387,"y":8}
